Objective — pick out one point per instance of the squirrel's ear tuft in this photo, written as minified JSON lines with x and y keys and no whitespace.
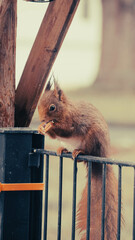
{"x":58,"y":92}
{"x":49,"y":85}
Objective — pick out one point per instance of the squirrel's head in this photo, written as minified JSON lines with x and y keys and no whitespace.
{"x":52,"y":104}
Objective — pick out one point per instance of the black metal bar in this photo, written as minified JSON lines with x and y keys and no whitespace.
{"x":88,"y":200}
{"x":134,"y":209}
{"x":46,"y":197}
{"x":37,"y":169}
{"x":60,"y":198}
{"x":119,"y":204}
{"x":88,"y":158}
{"x":74,"y":199}
{"x":103,"y":200}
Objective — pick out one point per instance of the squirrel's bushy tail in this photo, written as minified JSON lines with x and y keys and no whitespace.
{"x":96,"y":207}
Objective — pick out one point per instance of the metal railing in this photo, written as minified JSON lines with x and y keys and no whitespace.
{"x":22,"y":161}
{"x":89,"y":160}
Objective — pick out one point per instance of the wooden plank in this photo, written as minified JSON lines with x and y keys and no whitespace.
{"x":8,"y":13}
{"x":51,"y":34}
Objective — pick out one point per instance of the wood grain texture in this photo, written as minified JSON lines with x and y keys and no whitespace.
{"x":51,"y":34}
{"x":8,"y":13}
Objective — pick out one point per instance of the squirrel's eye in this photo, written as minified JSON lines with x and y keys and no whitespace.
{"x":52,"y":108}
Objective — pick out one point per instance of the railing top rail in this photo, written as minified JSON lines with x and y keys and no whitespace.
{"x":88,"y":158}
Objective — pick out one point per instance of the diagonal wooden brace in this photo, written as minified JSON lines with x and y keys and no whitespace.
{"x":51,"y":34}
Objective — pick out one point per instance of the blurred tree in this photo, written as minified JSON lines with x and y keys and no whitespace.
{"x":117,"y":67}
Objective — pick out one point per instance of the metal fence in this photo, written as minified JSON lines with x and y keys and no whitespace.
{"x":22,"y":161}
{"x":89,"y":160}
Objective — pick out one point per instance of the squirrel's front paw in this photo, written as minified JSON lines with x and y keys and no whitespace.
{"x":77,"y":152}
{"x":61,"y":150}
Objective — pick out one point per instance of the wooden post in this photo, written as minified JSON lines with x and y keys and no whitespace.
{"x":8,"y":13}
{"x":44,"y":51}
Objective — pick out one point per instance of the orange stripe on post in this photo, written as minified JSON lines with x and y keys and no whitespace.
{"x":21,"y":187}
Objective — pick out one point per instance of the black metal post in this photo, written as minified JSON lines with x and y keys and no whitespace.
{"x":119,"y":203}
{"x":19,"y":211}
{"x":103,"y":201}
{"x":74,"y":199}
{"x":89,"y":200}
{"x":46,"y":198}
{"x":134,"y":209}
{"x":60,"y":199}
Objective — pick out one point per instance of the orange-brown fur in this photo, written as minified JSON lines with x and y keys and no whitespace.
{"x":84,"y":122}
{"x":96,"y":206}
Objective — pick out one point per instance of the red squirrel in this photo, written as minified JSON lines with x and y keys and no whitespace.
{"x":83,"y":130}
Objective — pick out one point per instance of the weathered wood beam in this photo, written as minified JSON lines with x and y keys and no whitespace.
{"x":51,"y":34}
{"x":8,"y":22}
